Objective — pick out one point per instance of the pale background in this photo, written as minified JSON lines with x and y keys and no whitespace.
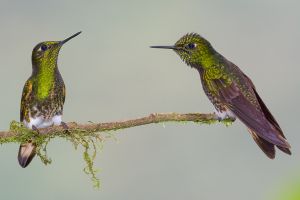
{"x":112,"y":74}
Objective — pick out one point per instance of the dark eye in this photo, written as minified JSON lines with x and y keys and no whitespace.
{"x":191,"y":45}
{"x":44,"y":47}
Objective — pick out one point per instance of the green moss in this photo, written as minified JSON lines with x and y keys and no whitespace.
{"x":90,"y":141}
{"x":228,"y":121}
{"x":89,"y":158}
{"x":23,"y":134}
{"x":42,"y":152}
{"x":209,"y":122}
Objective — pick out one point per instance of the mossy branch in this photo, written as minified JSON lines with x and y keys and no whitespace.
{"x":91,"y":136}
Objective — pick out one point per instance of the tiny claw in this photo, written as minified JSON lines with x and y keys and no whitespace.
{"x":218,"y":117}
{"x":34,"y":128}
{"x":232,"y":118}
{"x":65,"y":127}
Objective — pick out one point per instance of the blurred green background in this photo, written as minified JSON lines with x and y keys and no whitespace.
{"x":112,"y":74}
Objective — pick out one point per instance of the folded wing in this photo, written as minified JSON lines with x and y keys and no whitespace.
{"x":252,"y":111}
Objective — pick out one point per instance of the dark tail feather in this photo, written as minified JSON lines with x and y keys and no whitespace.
{"x":285,"y":150}
{"x":267,"y":147}
{"x":26,"y":153}
{"x":272,"y":120}
{"x":264,"y":145}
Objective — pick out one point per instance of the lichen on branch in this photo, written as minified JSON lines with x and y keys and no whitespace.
{"x":91,"y":136}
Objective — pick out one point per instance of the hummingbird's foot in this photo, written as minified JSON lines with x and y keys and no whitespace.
{"x":231,"y":118}
{"x":65,"y":127}
{"x":35,"y":129}
{"x":225,"y":115}
{"x":220,"y":119}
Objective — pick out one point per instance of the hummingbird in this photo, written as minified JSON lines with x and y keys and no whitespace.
{"x":231,"y":91}
{"x":43,"y":95}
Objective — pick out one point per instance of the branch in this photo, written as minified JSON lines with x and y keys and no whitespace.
{"x":90,"y":136}
{"x":113,"y":126}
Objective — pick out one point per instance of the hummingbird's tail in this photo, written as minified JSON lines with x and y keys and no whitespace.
{"x":27,"y":152}
{"x":267,"y":147}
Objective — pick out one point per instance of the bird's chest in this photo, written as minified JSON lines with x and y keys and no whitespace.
{"x":49,"y":106}
{"x":42,"y":101}
{"x":213,"y":82}
{"x":45,"y":113}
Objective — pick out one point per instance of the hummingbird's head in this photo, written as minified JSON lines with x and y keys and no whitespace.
{"x":45,"y":54}
{"x":193,"y":49}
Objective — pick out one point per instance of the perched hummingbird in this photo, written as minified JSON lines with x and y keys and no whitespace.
{"x":43,"y":94}
{"x":231,"y":92}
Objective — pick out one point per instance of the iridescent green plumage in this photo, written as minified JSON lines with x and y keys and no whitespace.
{"x":231,"y":91}
{"x":45,"y":87}
{"x":43,"y":94}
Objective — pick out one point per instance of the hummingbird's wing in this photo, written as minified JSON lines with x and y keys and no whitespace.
{"x":253,"y":113}
{"x":27,"y":150}
{"x":269,"y":117}
{"x":26,"y":98}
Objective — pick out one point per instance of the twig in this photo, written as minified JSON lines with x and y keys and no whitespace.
{"x":109,"y":126}
{"x":89,"y":135}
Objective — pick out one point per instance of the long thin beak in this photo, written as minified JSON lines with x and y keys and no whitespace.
{"x":164,"y":47}
{"x":69,"y":38}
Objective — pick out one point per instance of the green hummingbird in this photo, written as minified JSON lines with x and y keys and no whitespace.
{"x":231,"y":92}
{"x":43,"y":94}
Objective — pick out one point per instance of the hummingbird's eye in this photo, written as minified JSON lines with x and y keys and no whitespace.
{"x":191,"y":45}
{"x":44,"y":47}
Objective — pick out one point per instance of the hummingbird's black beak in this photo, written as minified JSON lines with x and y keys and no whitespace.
{"x":69,"y":38}
{"x":164,"y":47}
